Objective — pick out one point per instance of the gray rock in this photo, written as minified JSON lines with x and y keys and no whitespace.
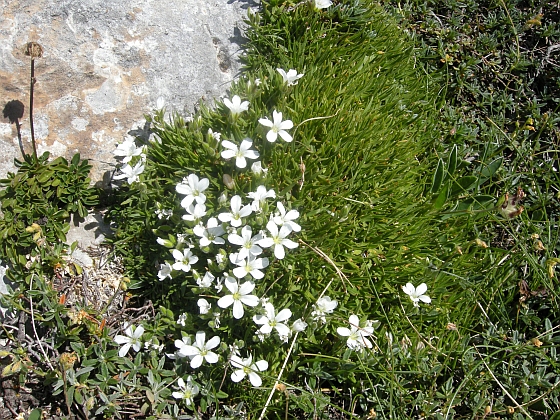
{"x":106,"y":63}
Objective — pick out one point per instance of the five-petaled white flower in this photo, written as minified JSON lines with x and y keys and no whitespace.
{"x":272,"y":320}
{"x":323,"y":307}
{"x":235,"y":105}
{"x":286,"y":218}
{"x":240,"y":295}
{"x":356,"y":335}
{"x":130,"y":339}
{"x":417,"y":293}
{"x":247,"y":242}
{"x":127,"y":149}
{"x":165,"y":270}
{"x":131,"y":174}
{"x":199,"y":351}
{"x":187,"y":390}
{"x":245,"y":366}
{"x":237,"y":212}
{"x":322,"y":4}
{"x":277,"y":127}
{"x":250,"y":265}
{"x":193,"y":188}
{"x":291,"y":77}
{"x":183,"y":260}
{"x":278,"y":239}
{"x":259,"y":197}
{"x":211,"y":234}
{"x":240,"y":153}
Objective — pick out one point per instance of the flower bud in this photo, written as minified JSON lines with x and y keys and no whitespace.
{"x":228,"y":181}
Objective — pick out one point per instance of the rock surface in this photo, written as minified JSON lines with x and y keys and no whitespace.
{"x":107,"y":63}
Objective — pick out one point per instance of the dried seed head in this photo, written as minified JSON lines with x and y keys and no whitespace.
{"x":33,"y":50}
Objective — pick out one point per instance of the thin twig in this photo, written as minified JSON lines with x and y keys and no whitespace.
{"x":326,"y":257}
{"x":279,"y":376}
{"x":311,"y":119}
{"x":501,"y":386}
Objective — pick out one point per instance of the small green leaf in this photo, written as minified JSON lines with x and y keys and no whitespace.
{"x":438,"y":177}
{"x":452,"y":162}
{"x":463,"y":184}
{"x":35,"y":414}
{"x":441,"y":198}
{"x":489,"y":170}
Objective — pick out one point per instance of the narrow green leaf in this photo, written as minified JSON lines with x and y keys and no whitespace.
{"x":489,"y":170}
{"x":438,"y":177}
{"x":452,"y":161}
{"x":441,"y":198}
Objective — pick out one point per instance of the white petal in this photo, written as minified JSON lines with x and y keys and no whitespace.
{"x":255,"y":379}
{"x":237,"y":375}
{"x":283,"y":315}
{"x":211,"y":357}
{"x":238,"y":310}
{"x":420,"y":290}
{"x":213,"y":342}
{"x":271,"y":136}
{"x":285,"y":136}
{"x":124,"y":349}
{"x":343,"y":331}
{"x":425,"y":299}
{"x":225,"y":301}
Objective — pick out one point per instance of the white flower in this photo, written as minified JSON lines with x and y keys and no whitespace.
{"x":278,"y":239}
{"x":417,"y":293}
{"x":258,"y":169}
{"x":290,"y":78}
{"x":356,"y":335}
{"x":322,"y":4}
{"x":215,"y":135}
{"x":282,"y":218}
{"x":299,"y":325}
{"x":206,"y":281}
{"x":164,"y":213}
{"x":277,"y":127}
{"x":260,"y":196}
{"x":235,"y":105}
{"x":183,"y":260}
{"x":200,"y":350}
{"x":239,"y":153}
{"x":181,"y":320}
{"x":247,"y":242}
{"x":193,"y":188}
{"x":164,"y":271}
{"x":271,"y":320}
{"x":131,"y":173}
{"x":211,"y":233}
{"x":128,"y":150}
{"x":188,"y":391}
{"x":195,"y":212}
{"x":130,"y":339}
{"x":249,"y":265}
{"x":204,"y":306}
{"x":237,"y":212}
{"x":245,"y":366}
{"x":323,"y":307}
{"x":239,"y":296}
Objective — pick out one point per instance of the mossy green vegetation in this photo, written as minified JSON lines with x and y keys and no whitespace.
{"x":412,"y":290}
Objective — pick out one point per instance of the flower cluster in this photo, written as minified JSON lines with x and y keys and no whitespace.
{"x":219,"y":244}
